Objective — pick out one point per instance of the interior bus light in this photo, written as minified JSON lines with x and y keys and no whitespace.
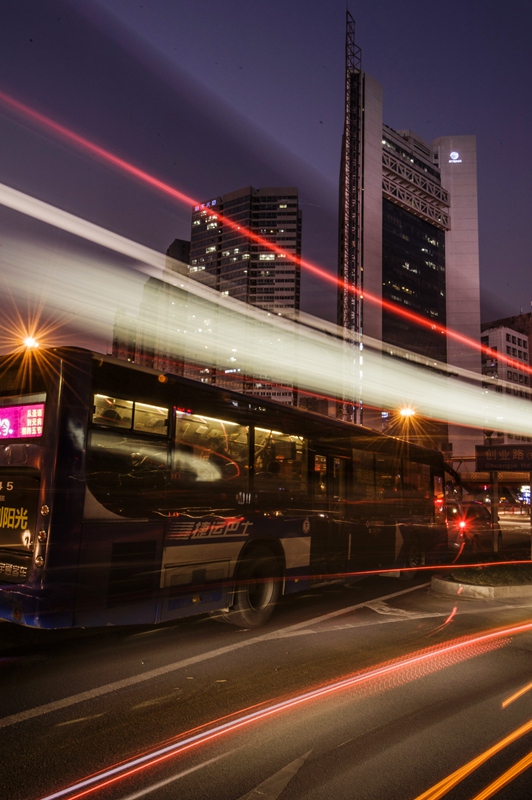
{"x":214,"y":419}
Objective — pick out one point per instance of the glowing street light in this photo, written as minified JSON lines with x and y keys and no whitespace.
{"x":30,"y":343}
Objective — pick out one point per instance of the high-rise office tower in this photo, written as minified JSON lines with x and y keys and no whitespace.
{"x":408,"y":238}
{"x":243,"y":267}
{"x":250,"y":260}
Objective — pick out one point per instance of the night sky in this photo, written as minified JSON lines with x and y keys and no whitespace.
{"x":214,"y":96}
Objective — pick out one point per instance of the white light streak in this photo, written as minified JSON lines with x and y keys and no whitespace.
{"x":309,"y":354}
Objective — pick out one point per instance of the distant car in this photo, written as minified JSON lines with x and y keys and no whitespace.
{"x":469,"y":526}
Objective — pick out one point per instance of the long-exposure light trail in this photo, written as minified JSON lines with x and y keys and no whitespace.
{"x":310,"y":353}
{"x":523,"y":690}
{"x":181,"y":197}
{"x":462,"y":648}
{"x":414,"y":570}
{"x":503,"y":780}
{"x":444,"y":786}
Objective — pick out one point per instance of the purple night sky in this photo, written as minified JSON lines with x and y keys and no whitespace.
{"x":214,"y":96}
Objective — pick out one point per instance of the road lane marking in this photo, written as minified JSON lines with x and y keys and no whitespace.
{"x":99,"y":691}
{"x":380,"y":607}
{"x":134,"y":680}
{"x":273,"y":787}
{"x":155,"y":786}
{"x":427,"y":660}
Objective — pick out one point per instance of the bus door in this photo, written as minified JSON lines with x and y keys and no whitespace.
{"x":375,"y":507}
{"x":330,"y":521}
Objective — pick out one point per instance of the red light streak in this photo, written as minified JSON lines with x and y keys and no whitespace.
{"x":451,"y":615}
{"x":459,"y":648}
{"x":449,"y":618}
{"x":458,"y":554}
{"x":430,"y":568}
{"x":328,"y":576}
{"x":145,"y":177}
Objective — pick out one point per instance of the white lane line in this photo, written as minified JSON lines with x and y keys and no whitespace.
{"x":99,"y":691}
{"x":380,"y":607}
{"x":272,"y":788}
{"x":155,"y":786}
{"x":317,"y":620}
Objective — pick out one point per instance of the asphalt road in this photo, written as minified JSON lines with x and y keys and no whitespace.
{"x":516,"y":532}
{"x":351,"y":691}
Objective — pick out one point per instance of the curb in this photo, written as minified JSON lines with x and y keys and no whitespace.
{"x":474,"y":592}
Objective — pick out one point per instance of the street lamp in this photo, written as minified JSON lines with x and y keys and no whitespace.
{"x":407,"y":413}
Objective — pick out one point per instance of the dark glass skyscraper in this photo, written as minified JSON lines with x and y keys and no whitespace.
{"x":408,"y":234}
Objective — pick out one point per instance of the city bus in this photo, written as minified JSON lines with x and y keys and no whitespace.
{"x":132,"y":496}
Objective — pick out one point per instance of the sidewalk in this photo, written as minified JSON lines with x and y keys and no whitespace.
{"x":514,"y":549}
{"x":472,"y":591}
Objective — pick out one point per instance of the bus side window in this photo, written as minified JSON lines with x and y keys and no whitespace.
{"x":209,"y":453}
{"x":320,"y":476}
{"x":150,"y":419}
{"x":417,"y":489}
{"x":112,"y":411}
{"x":126,"y":470}
{"x":364,"y":486}
{"x":280,"y":462}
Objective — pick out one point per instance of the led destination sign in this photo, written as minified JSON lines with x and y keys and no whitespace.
{"x":21,"y":422}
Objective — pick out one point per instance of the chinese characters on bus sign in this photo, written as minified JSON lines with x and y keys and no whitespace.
{"x":499,"y":457}
{"x":21,"y":422}
{"x":13,"y":517}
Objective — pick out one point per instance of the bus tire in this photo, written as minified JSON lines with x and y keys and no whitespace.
{"x":415,"y":557}
{"x":257,"y":589}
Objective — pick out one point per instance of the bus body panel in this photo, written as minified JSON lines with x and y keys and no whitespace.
{"x":118,"y":577}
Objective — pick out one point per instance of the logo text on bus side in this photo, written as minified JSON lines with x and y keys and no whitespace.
{"x":203,"y":529}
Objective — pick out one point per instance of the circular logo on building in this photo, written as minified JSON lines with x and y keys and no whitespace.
{"x":454,"y":155}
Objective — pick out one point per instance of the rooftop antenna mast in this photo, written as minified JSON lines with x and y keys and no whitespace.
{"x":350,"y":210}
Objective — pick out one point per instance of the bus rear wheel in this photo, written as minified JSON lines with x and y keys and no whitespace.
{"x":258,"y":586}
